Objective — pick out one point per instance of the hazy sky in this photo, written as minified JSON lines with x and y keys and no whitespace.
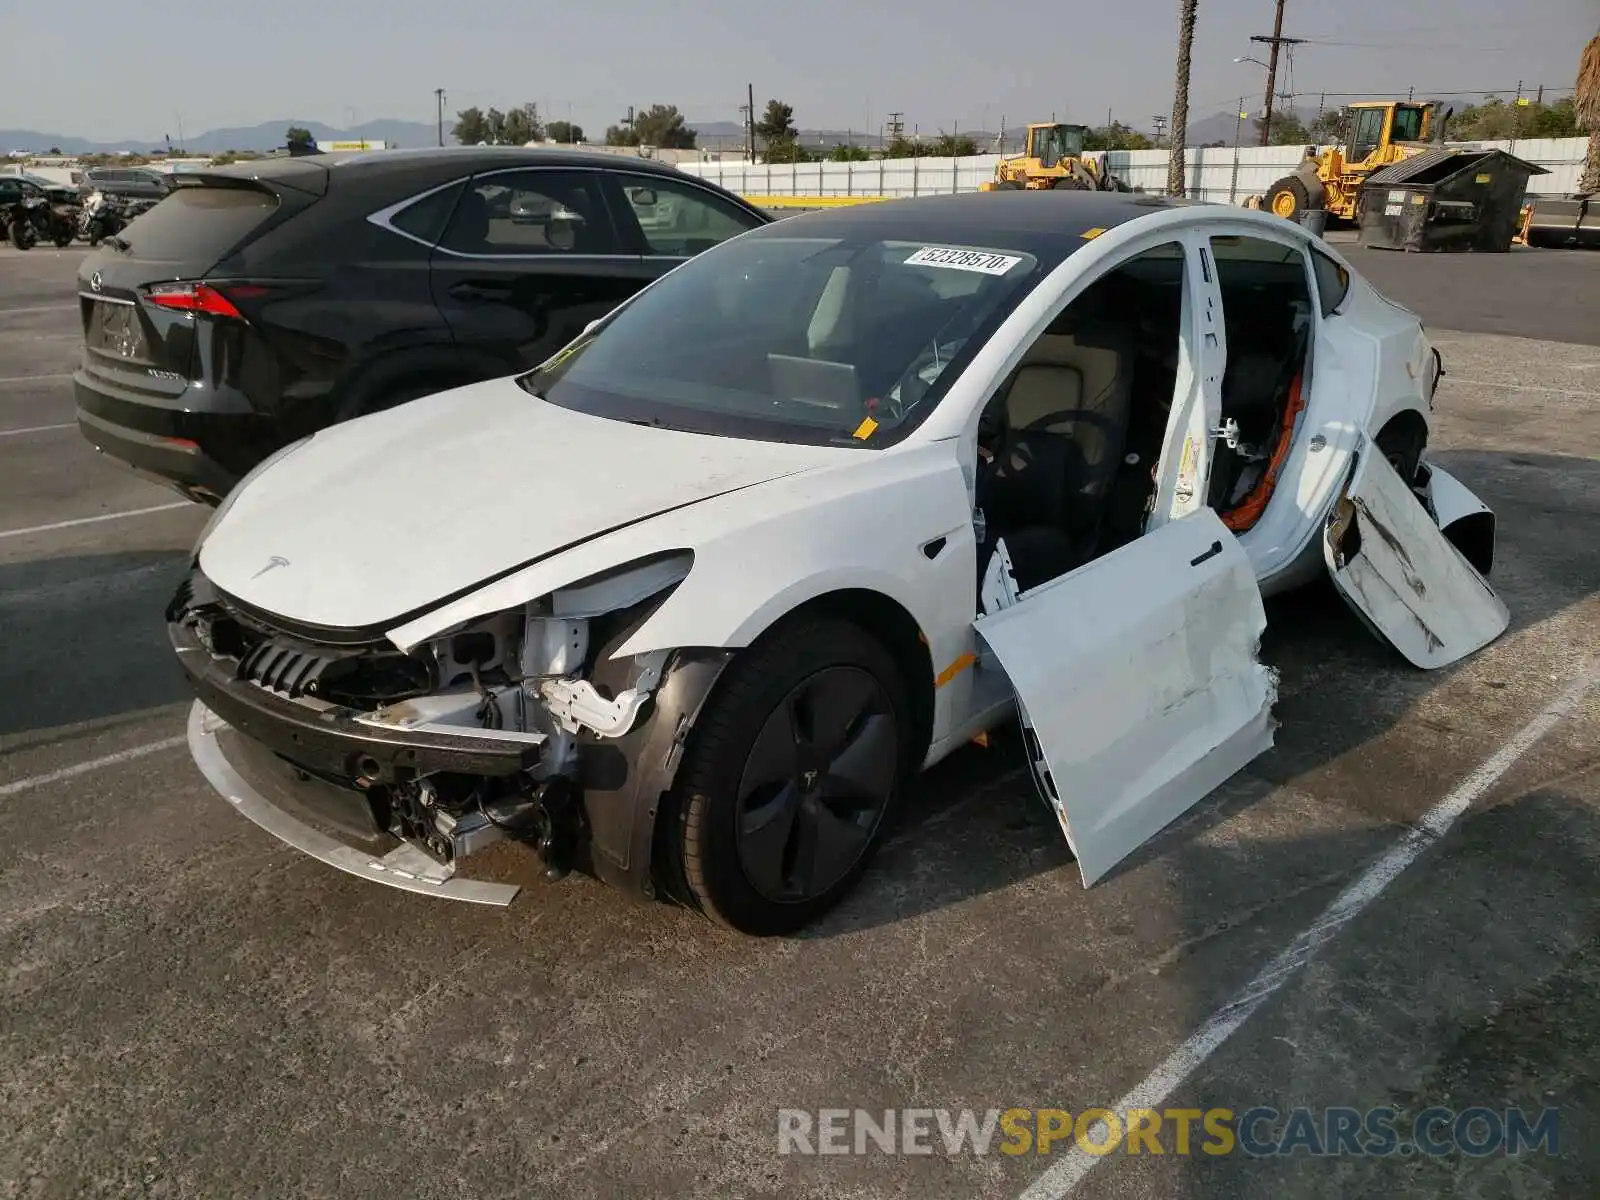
{"x":110,"y":69}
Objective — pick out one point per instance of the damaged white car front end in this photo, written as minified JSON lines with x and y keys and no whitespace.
{"x":397,"y":766}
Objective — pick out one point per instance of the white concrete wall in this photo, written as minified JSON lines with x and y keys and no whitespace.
{"x":1212,"y":173}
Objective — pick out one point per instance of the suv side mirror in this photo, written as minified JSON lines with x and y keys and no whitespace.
{"x":645,"y":197}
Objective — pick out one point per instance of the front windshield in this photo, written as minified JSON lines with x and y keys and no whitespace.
{"x":842,"y":340}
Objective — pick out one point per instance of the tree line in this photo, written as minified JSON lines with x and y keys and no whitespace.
{"x":515,"y":127}
{"x":1491,"y":121}
{"x":778,"y":139}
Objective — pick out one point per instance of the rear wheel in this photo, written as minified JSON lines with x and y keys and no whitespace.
{"x":791,"y":774}
{"x":1289,"y":198}
{"x":22,"y":235}
{"x":1069,"y":183}
{"x":1402,"y":443}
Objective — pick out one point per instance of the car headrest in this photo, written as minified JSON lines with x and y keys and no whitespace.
{"x":1039,"y":389}
{"x":472,"y":219}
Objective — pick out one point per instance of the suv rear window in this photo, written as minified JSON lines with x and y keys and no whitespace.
{"x":198,"y":222}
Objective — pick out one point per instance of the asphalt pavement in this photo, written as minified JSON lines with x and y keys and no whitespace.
{"x":188,"y":1008}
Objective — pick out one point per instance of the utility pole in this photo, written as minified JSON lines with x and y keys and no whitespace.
{"x":1277,"y":41}
{"x":438,"y":95}
{"x":897,"y":127}
{"x":1540,"y":98}
{"x":1238,"y":129}
{"x":1160,"y":122}
{"x":750,"y":131}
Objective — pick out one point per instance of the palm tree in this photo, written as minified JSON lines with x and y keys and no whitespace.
{"x":1587,"y":103}
{"x":1180,"y":98}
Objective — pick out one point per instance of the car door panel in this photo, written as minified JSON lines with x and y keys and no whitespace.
{"x":1139,"y":684}
{"x":1400,"y":573}
{"x":509,"y":286}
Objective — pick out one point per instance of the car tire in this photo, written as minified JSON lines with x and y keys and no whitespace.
{"x":1069,"y":183}
{"x":1402,"y":443}
{"x":740,"y":841}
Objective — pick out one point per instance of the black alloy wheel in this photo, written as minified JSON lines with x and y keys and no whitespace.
{"x":816,"y":784}
{"x":790,"y":776}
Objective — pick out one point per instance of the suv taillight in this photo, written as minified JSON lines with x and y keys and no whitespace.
{"x":192,"y":297}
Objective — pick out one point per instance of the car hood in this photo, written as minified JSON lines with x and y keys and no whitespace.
{"x":383,"y":516}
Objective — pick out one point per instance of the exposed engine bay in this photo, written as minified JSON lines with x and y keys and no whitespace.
{"x":537,"y":682}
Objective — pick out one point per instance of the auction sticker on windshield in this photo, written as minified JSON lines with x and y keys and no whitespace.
{"x":963,"y":260}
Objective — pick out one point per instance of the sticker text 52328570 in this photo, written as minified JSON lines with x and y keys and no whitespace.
{"x":963,"y":260}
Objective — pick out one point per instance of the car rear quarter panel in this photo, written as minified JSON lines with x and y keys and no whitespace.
{"x":370,"y":299}
{"x":1402,"y":367}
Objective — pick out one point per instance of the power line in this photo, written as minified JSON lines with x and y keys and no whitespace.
{"x":1394,"y":45}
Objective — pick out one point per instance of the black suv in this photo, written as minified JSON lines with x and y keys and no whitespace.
{"x":260,"y":302}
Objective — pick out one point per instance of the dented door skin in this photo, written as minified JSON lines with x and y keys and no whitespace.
{"x":1398,"y":571}
{"x":1139,"y":683}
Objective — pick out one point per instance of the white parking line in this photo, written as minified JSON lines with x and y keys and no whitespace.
{"x":93,"y":764}
{"x":116,"y":516}
{"x":34,"y":429}
{"x":5,"y":379}
{"x":1063,"y":1178}
{"x":36,"y":308}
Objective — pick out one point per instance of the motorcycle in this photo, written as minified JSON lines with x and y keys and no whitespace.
{"x":103,"y":216}
{"x":35,"y":218}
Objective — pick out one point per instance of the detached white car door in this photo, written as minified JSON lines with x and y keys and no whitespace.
{"x":1138,"y":683}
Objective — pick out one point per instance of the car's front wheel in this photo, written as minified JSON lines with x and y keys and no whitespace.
{"x":790,"y":776}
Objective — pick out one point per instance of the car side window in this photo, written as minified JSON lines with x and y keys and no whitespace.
{"x":515,"y":213}
{"x":1333,"y":282}
{"x":424,"y":218}
{"x":679,"y":220}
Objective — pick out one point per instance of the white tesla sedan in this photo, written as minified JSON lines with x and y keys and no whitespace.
{"x":689,"y":605}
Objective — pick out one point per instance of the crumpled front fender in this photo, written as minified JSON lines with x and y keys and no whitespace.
{"x":626,"y":779}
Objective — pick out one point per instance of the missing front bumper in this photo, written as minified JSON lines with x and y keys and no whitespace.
{"x":403,"y":866}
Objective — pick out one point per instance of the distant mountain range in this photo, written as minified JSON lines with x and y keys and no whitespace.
{"x":264,"y":136}
{"x":713,"y":135}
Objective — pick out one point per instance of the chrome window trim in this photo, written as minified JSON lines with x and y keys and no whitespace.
{"x":108,"y":299}
{"x":384,"y":218}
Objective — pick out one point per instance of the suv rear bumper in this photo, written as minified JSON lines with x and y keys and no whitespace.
{"x":186,"y":450}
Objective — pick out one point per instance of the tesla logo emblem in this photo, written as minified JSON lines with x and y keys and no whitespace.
{"x":272,"y":563}
{"x":96,"y":282}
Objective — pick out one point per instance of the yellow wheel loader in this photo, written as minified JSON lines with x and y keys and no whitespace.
{"x":1053,"y":158}
{"x":1380,"y":132}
